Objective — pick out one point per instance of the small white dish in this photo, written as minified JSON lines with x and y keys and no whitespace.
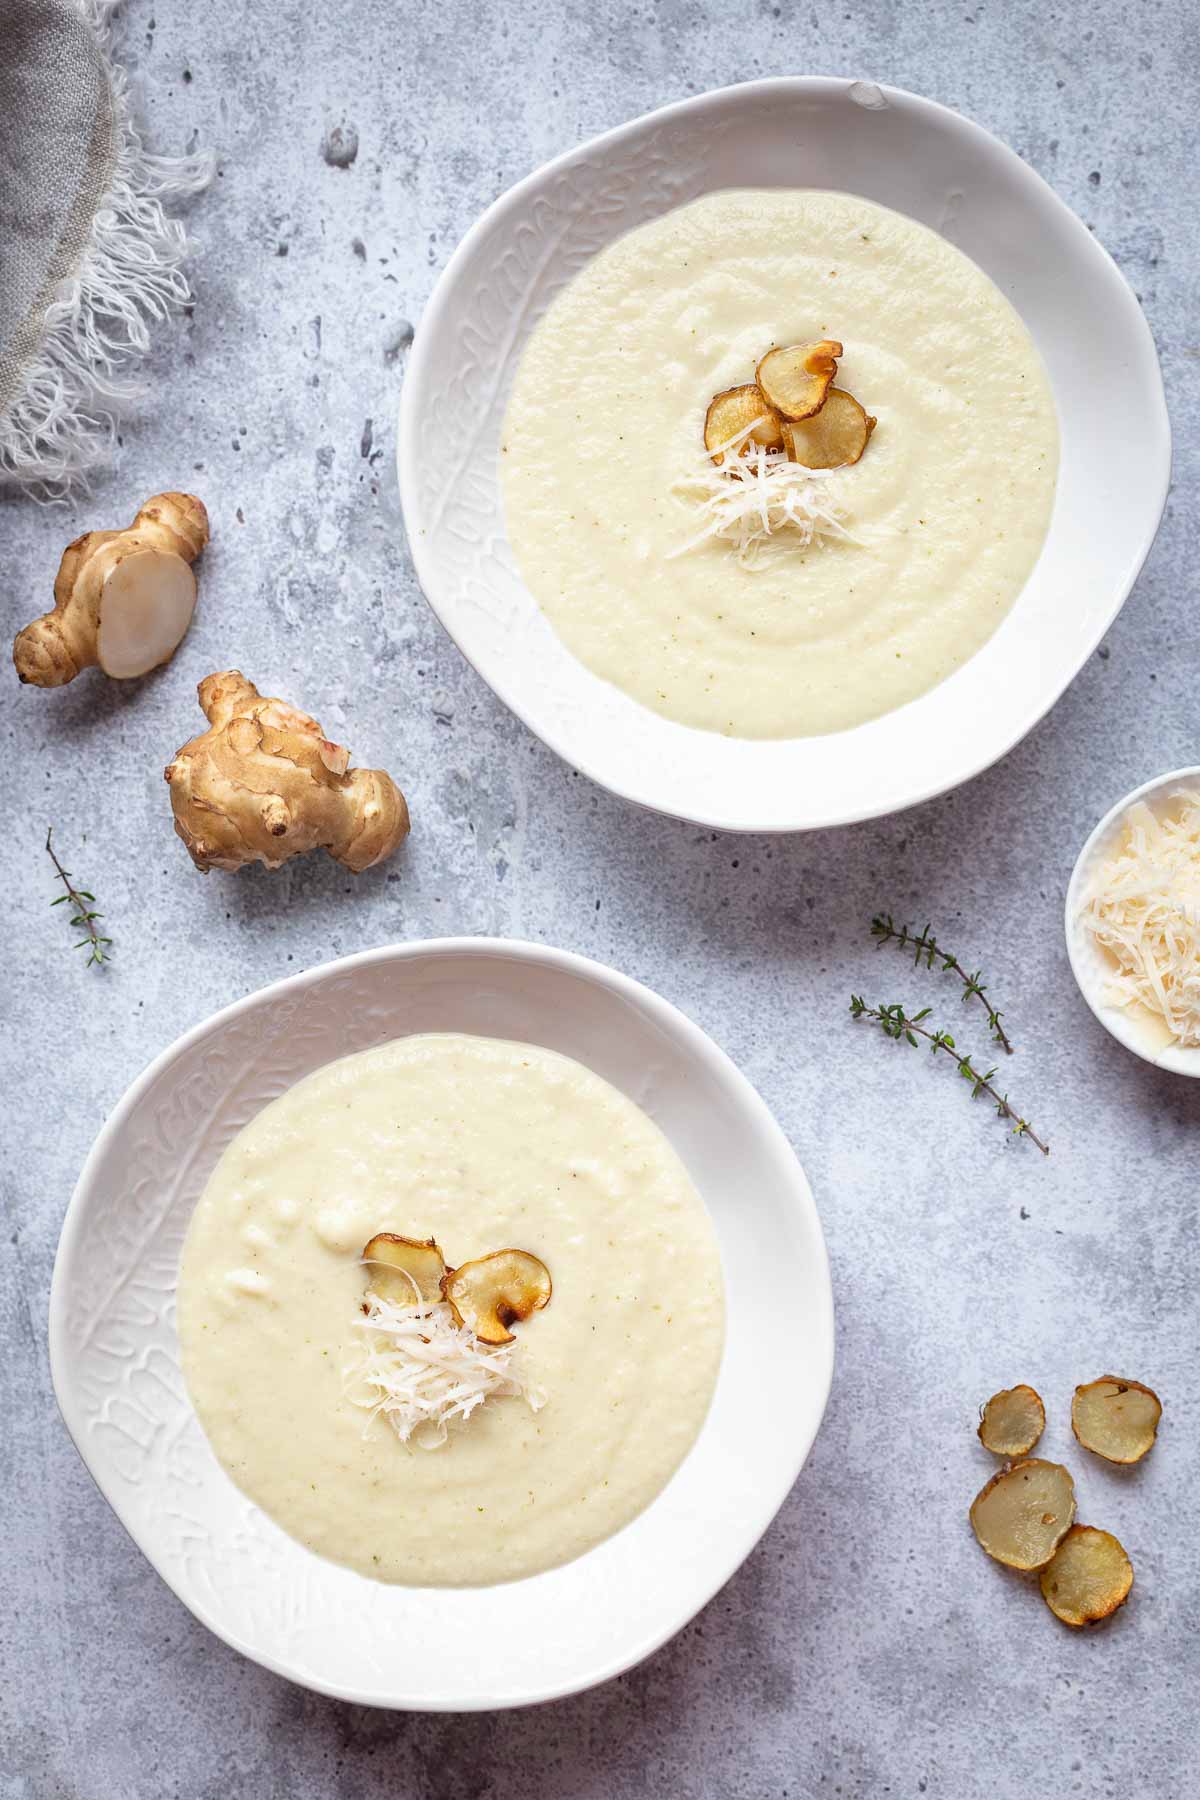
{"x":901,"y":151}
{"x":1145,"y":1036}
{"x":114,"y":1353}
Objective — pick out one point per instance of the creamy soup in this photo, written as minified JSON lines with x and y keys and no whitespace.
{"x":945,"y":513}
{"x":481,"y":1144}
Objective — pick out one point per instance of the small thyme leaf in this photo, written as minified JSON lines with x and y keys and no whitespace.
{"x":894,"y":1022}
{"x":82,"y":919}
{"x":926,"y":949}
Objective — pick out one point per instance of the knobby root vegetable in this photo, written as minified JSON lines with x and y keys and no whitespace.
{"x":263,"y":784}
{"x":122,"y":599}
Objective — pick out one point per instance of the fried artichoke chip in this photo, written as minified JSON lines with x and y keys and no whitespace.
{"x":1012,"y":1421}
{"x":402,"y":1269}
{"x":1088,"y":1576}
{"x":795,"y":378}
{"x":1117,"y":1419}
{"x":833,"y":438}
{"x":1023,"y":1514}
{"x":488,"y":1294}
{"x":731,"y":412}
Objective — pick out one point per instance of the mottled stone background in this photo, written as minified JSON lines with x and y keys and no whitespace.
{"x":867,"y":1647}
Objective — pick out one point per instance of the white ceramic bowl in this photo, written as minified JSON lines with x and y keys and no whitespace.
{"x":115,"y":1355}
{"x":1089,"y":964}
{"x":904,"y":152}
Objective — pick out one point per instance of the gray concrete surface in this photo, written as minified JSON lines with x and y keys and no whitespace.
{"x":867,"y":1647}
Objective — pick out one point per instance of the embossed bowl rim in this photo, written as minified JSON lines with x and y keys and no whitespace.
{"x":666,"y":1564}
{"x":919,"y":157}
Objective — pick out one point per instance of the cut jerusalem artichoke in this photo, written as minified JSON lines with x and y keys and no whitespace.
{"x":791,"y":407}
{"x":833,"y":438}
{"x":488,"y":1294}
{"x":1022,"y":1515}
{"x":264,"y":784}
{"x":1115,"y":1418}
{"x":404,"y":1269}
{"x":1012,"y":1421}
{"x":735,"y":412}
{"x":795,"y":378}
{"x":1025,"y":1516}
{"x":485,"y":1295}
{"x":122,"y":599}
{"x":1088,"y":1577}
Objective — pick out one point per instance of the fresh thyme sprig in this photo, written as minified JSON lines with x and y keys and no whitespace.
{"x":927,"y":950}
{"x":895,"y":1023}
{"x":98,"y":947}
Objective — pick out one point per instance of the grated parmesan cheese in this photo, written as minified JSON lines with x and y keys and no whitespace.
{"x":1144,"y":910}
{"x":749,"y":498}
{"x":421,"y":1370}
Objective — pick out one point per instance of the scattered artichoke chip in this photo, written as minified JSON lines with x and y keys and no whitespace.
{"x":1117,"y":1419}
{"x":1012,"y":1421}
{"x":402,"y":1269}
{"x":795,"y":378}
{"x":1023,"y":1514}
{"x":1088,"y":1576}
{"x":833,"y":438}
{"x":732,"y":412}
{"x":488,"y":1294}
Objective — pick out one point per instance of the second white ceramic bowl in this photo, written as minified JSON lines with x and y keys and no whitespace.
{"x":114,"y":1352}
{"x":1089,"y":963}
{"x":899,"y":150}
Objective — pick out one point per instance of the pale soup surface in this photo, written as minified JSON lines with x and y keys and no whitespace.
{"x":483,"y":1144}
{"x":948,"y":507}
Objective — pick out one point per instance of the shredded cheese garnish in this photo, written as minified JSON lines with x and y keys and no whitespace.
{"x":421,"y":1370}
{"x":749,"y":497}
{"x":1144,"y":910}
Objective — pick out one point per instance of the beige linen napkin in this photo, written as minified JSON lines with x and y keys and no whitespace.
{"x":88,"y":255}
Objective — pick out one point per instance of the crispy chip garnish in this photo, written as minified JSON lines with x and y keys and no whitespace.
{"x":1118,"y":1419}
{"x":488,"y":1294}
{"x":1088,"y":1576}
{"x":1023,"y":1514}
{"x":795,"y":378}
{"x":403,"y":1269}
{"x":1012,"y":1421}
{"x":732,"y":412}
{"x":833,"y":438}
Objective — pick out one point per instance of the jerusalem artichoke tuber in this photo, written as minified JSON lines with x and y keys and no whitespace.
{"x":263,"y":784}
{"x":122,"y":599}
